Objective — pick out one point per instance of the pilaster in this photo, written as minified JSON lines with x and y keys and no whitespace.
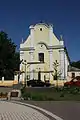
{"x":50,"y":63}
{"x":62,"y":63}
{"x":50,"y":34}
{"x":66,"y":66}
{"x":31,"y":51}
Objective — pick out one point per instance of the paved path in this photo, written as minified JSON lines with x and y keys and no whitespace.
{"x":39,"y":110}
{"x":12,"y":111}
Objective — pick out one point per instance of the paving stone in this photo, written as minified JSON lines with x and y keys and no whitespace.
{"x":12,"y":111}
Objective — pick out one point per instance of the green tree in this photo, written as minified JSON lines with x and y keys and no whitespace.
{"x":56,"y":73}
{"x":9,"y":58}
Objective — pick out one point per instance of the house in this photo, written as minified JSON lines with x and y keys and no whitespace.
{"x":40,"y":51}
{"x":73,"y":72}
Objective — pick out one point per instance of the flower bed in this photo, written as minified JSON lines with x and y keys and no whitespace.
{"x":3,"y":95}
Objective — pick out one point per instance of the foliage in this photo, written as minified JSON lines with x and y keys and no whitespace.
{"x":52,"y":94}
{"x":56,"y":71}
{"x":9,"y":58}
{"x":3,"y":95}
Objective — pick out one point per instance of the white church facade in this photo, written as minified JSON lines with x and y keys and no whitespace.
{"x":39,"y":53}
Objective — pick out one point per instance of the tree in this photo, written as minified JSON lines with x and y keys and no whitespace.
{"x":9,"y":58}
{"x":56,"y":71}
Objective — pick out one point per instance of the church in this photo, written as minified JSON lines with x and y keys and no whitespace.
{"x":43,"y":55}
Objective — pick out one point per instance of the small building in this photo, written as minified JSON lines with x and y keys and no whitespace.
{"x":73,"y":72}
{"x":40,"y":51}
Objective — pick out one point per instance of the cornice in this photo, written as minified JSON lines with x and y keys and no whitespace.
{"x":48,"y":48}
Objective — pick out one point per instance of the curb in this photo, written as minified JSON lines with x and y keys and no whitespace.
{"x":40,"y":109}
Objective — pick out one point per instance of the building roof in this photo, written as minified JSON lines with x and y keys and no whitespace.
{"x":74,"y":69}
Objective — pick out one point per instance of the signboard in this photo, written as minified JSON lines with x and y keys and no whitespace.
{"x":14,"y":94}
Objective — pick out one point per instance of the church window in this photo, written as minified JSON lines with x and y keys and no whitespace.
{"x":41,"y":57}
{"x":73,"y":75}
{"x":41,"y":45}
{"x":40,"y":29}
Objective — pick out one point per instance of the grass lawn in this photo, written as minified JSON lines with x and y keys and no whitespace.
{"x":51,"y":94}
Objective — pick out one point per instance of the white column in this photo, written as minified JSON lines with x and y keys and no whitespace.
{"x":50,"y":51}
{"x":31,"y":51}
{"x":50,"y":62}
{"x":66,"y":66}
{"x":50,"y":34}
{"x":62,"y":63}
{"x":20,"y":79}
{"x":31,"y":66}
{"x":21,"y":65}
{"x":51,"y":59}
{"x":32,"y":36}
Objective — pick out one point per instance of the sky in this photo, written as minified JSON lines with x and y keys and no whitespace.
{"x":17,"y":15}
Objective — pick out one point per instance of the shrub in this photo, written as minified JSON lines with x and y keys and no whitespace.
{"x":37,"y":97}
{"x":26,"y":96}
{"x":23,"y":90}
{"x":62,"y":95}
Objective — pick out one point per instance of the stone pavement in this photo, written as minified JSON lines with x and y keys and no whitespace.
{"x":12,"y":111}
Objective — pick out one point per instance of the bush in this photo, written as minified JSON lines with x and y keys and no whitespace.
{"x":23,"y":90}
{"x":72,"y":90}
{"x":51,"y":94}
{"x":26,"y":96}
{"x":37,"y":97}
{"x":62,"y":95}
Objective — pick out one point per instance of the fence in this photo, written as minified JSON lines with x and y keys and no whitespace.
{"x":8,"y":82}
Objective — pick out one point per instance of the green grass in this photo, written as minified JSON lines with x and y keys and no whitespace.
{"x":51,"y":94}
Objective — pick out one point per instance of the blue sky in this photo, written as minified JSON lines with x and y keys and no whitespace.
{"x":17,"y":15}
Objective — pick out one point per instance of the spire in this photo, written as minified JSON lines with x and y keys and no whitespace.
{"x":61,"y":38}
{"x":22,"y":40}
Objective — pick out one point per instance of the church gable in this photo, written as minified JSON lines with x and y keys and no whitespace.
{"x":41,"y":49}
{"x":26,"y":43}
{"x":42,"y":33}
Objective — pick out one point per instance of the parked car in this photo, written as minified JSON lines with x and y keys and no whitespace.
{"x":73,"y":82}
{"x":38,"y":83}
